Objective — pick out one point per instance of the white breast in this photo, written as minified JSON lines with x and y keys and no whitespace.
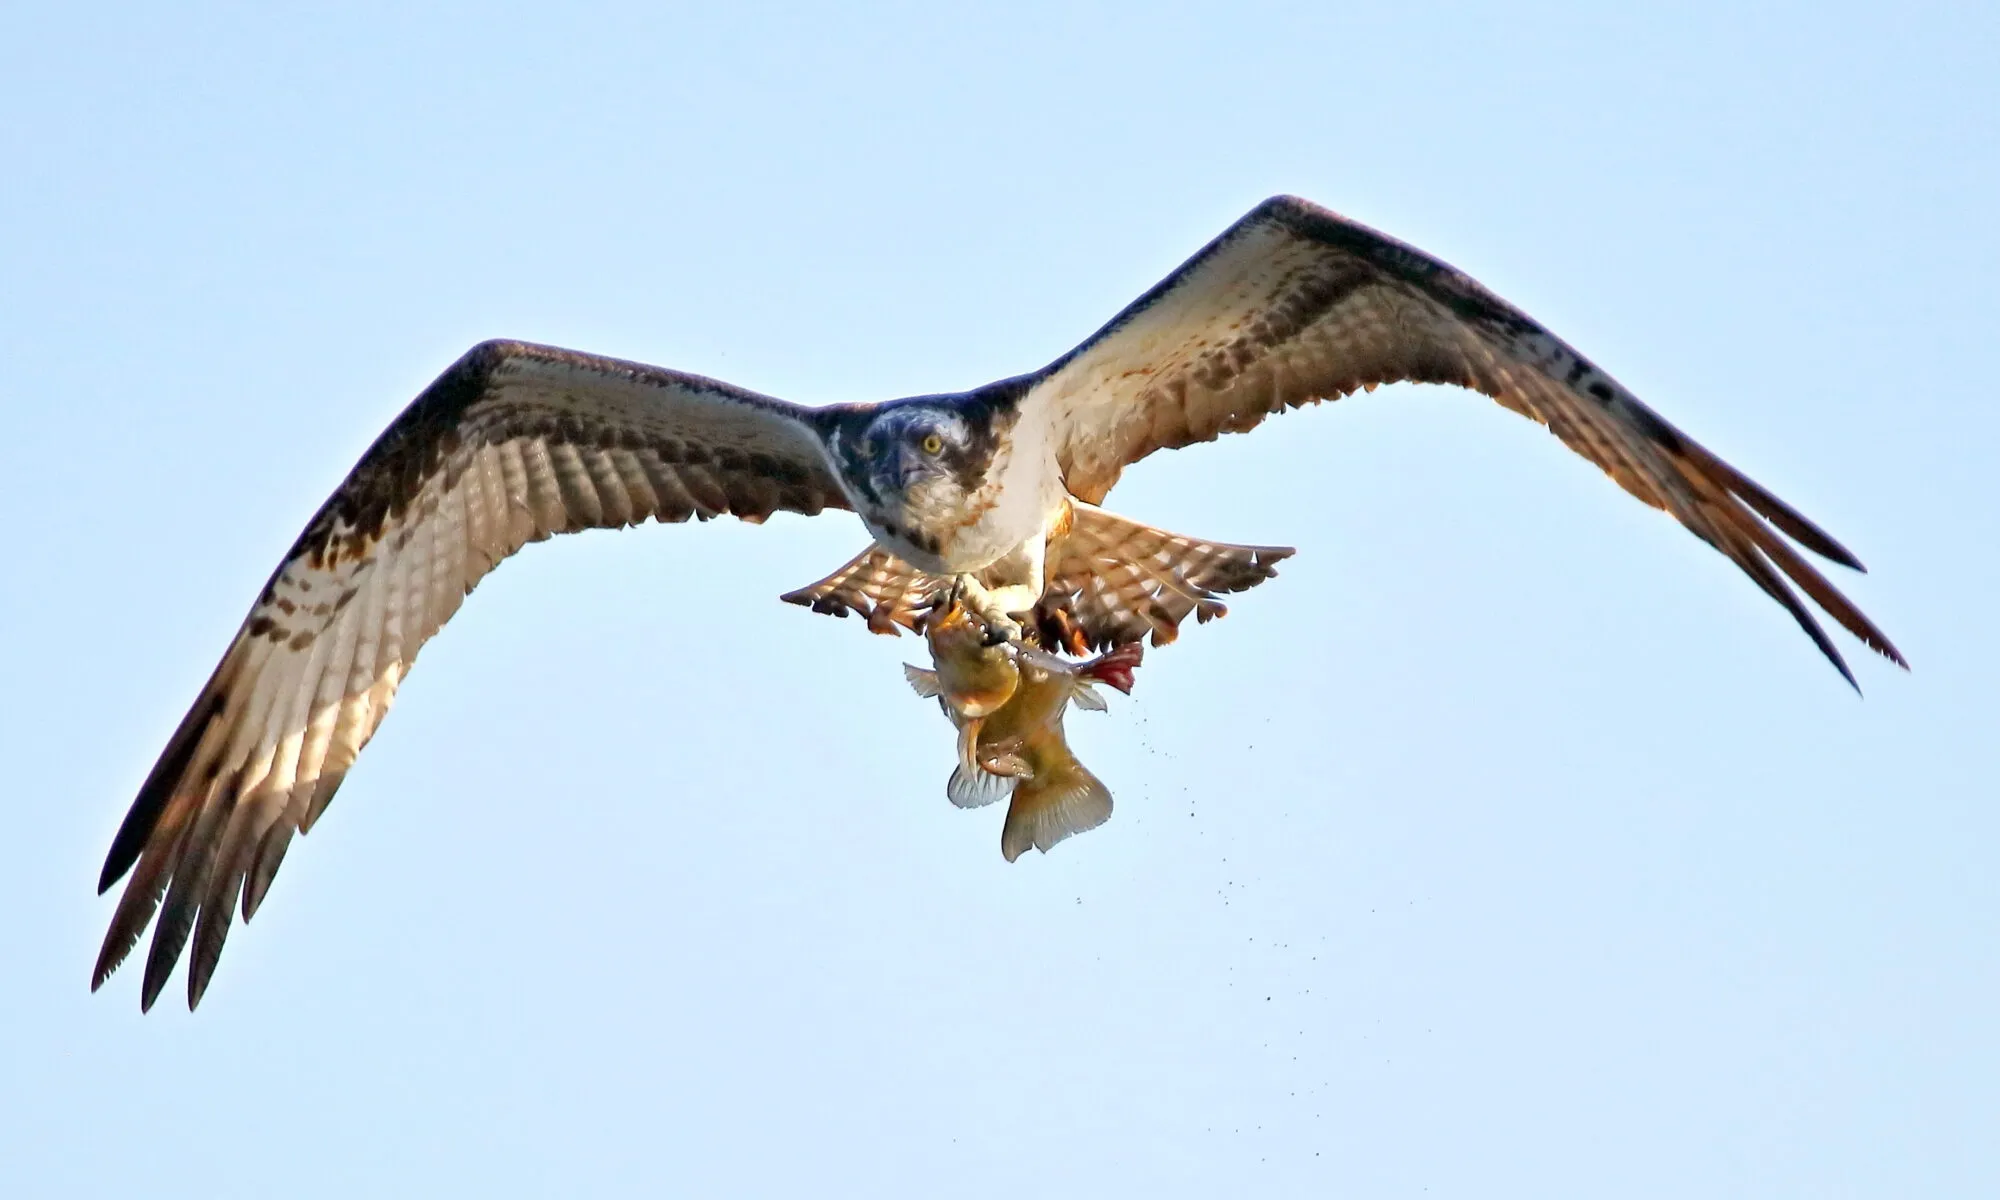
{"x":1030,"y":498}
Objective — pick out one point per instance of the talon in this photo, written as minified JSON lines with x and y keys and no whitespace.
{"x":991,"y":607}
{"x":1001,"y":630}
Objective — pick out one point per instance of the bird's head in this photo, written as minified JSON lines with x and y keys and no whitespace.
{"x":919,"y":470}
{"x":921,"y":461}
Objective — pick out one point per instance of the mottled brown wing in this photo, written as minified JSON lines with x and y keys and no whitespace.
{"x":514,"y":443}
{"x":1117,"y":581}
{"x":1295,"y":304}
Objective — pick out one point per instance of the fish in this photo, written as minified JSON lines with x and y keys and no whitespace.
{"x":1008,"y":701}
{"x":972,"y":679}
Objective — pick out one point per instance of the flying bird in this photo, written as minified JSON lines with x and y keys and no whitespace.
{"x":993,"y":492}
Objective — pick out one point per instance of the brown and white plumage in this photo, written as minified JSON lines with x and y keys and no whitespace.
{"x":1109,"y":581}
{"x":1294,"y":304}
{"x":514,"y":443}
{"x":993,"y":490}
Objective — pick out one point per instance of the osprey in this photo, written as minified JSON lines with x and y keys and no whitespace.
{"x":993,"y":492}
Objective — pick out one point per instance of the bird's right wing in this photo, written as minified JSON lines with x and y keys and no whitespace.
{"x":1294,"y":304}
{"x":512,"y":444}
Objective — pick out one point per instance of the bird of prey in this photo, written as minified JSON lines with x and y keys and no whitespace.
{"x":992,"y":492}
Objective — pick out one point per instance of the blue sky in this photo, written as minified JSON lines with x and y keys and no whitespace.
{"x":1509,"y":844}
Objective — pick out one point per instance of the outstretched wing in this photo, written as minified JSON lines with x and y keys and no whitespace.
{"x":1295,"y":304}
{"x":512,"y":444}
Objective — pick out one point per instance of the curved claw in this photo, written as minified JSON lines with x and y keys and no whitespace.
{"x":1002,"y":631}
{"x":991,"y":608}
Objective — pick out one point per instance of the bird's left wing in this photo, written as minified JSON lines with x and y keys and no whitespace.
{"x":512,"y":444}
{"x":1295,"y":304}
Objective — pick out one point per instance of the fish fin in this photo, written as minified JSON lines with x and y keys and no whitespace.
{"x":1050,"y":664}
{"x":1053,"y":806}
{"x":968,"y":743}
{"x":1116,"y":667}
{"x":923,"y":681}
{"x":1007,"y":763}
{"x":977,"y":788}
{"x":1116,"y":580}
{"x":1086,"y":697}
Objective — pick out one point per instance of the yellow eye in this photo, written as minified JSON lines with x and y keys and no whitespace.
{"x":932,"y":443}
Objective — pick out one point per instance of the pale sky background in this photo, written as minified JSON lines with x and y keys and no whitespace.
{"x":1509,"y":844}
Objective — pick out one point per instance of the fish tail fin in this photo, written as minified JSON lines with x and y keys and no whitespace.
{"x":1060,"y":800}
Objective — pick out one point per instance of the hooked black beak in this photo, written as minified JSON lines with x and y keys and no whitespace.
{"x":909,"y":465}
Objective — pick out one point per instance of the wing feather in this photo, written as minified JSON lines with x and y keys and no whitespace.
{"x":884,"y":589}
{"x":1294,"y":304}
{"x":1110,"y":581}
{"x":514,"y":443}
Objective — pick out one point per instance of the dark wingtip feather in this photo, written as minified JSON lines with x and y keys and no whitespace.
{"x":211,"y":927}
{"x":1745,"y":542}
{"x":1794,"y":523}
{"x":162,"y":781}
{"x":202,"y":968}
{"x":1804,"y":617}
{"x":142,"y":893}
{"x":191,"y":877}
{"x":1840,"y":664}
{"x":150,"y":990}
{"x":1801,"y":530}
{"x":160,"y":963}
{"x":270,"y":856}
{"x":140,"y":821}
{"x":109,"y":957}
{"x":1749,"y":522}
{"x":1822,"y":592}
{"x":141,"y":818}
